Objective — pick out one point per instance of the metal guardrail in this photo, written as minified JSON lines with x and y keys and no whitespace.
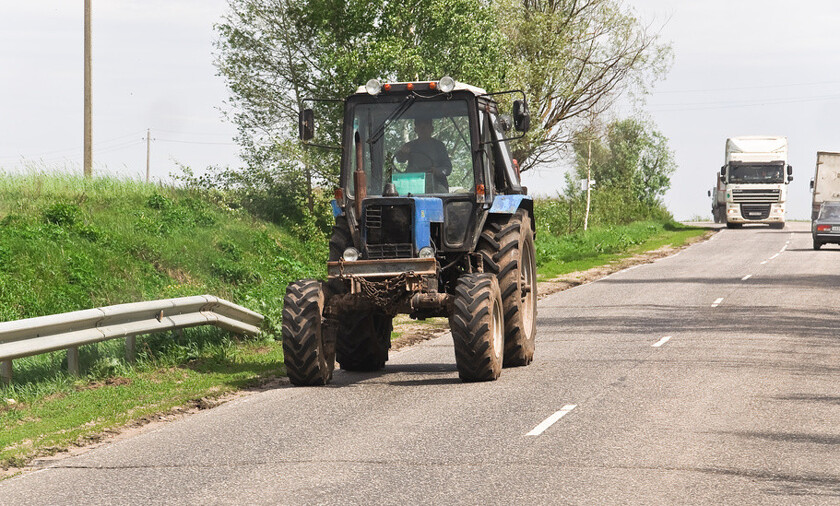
{"x":33,"y":336}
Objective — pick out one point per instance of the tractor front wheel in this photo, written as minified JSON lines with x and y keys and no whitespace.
{"x":308,"y":350}
{"x":478,"y":327}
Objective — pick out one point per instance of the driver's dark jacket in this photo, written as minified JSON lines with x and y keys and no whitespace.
{"x":427,"y":154}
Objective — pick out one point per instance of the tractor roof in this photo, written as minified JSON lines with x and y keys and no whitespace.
{"x":423,"y":86}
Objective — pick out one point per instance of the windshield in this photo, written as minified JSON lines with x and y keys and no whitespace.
{"x":421,"y":146}
{"x":756,"y":173}
{"x":830,"y":211}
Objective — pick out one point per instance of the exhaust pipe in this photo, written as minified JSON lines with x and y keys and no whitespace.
{"x":359,"y":179}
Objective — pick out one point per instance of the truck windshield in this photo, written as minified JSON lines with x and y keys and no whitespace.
{"x":756,"y":173}
{"x":422,"y":146}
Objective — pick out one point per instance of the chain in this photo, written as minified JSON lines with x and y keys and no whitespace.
{"x":386,"y":293}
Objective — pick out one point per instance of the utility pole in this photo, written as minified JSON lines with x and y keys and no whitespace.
{"x":588,"y":184}
{"x":88,"y":142}
{"x":148,"y":150}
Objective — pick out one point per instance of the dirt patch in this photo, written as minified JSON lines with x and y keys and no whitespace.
{"x":108,"y":382}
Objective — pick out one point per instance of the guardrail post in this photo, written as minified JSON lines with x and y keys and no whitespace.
{"x":6,"y":371}
{"x":73,"y":360}
{"x":130,"y":349}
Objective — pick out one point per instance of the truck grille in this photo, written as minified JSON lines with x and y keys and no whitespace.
{"x":755,"y":196}
{"x":755,"y":211}
{"x":388,"y":231}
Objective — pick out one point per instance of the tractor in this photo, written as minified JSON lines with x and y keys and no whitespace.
{"x":431,"y":221}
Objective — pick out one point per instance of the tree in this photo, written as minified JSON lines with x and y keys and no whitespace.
{"x":274,"y":54}
{"x":633,"y":158}
{"x":573,"y":59}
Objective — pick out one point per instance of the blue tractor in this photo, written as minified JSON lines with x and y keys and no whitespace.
{"x":430,"y":220}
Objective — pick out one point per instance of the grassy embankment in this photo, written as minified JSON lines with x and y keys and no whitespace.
{"x":68,"y":244}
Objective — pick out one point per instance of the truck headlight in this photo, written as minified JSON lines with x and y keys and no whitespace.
{"x":351,"y":254}
{"x":426,"y":252}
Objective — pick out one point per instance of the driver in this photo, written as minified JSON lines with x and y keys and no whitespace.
{"x":427,"y":154}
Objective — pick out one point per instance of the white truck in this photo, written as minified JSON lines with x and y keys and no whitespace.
{"x":752,"y":187}
{"x":826,"y":182}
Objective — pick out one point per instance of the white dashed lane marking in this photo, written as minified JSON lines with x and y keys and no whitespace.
{"x":717,"y":302}
{"x":662,"y":341}
{"x":551,"y":420}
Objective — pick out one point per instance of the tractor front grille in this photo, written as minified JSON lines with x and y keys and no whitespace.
{"x":755,"y":211}
{"x":388,"y":231}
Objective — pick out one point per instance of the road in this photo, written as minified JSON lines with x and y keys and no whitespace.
{"x":708,"y":377}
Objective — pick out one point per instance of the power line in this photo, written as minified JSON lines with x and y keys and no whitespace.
{"x":198,"y":142}
{"x":742,"y":88}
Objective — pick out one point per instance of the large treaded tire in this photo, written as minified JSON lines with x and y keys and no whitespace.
{"x":363,"y":341}
{"x":507,"y":249}
{"x":477,"y":325}
{"x":734,"y":225}
{"x":777,"y":226}
{"x":308,"y":352}
{"x":817,"y":244}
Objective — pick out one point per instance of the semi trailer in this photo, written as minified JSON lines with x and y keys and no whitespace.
{"x":752,"y":185}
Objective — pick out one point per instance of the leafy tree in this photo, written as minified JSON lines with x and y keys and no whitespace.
{"x":573,"y":59}
{"x":632,"y":158}
{"x":274,"y":54}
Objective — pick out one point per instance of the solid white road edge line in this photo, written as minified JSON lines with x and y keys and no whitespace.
{"x":774,"y":256}
{"x":764,"y":262}
{"x":551,"y":420}
{"x":662,"y":341}
{"x":717,"y":302}
{"x":748,"y":276}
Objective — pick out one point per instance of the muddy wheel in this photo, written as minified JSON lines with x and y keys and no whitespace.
{"x":777,"y":226}
{"x":340,"y":238}
{"x":363,"y":341}
{"x":308,"y":351}
{"x":477,"y":324}
{"x":817,"y":244}
{"x":733,"y":225}
{"x":507,"y":249}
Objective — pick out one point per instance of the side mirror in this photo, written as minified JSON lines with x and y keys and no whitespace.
{"x":723,"y":171}
{"x":709,"y":193}
{"x":306,"y":124}
{"x":790,"y":178}
{"x":790,"y":170}
{"x":812,"y":184}
{"x":521,"y":116}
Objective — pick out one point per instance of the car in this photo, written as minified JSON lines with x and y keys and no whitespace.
{"x":826,"y":227}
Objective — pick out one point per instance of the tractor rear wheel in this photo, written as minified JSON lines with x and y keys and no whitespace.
{"x":363,"y":341}
{"x":308,"y":351}
{"x":477,"y":324}
{"x":507,"y":249}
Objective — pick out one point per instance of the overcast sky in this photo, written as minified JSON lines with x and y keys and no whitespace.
{"x":742,"y":67}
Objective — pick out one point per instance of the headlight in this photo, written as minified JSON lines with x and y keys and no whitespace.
{"x":351,"y":254}
{"x":373,"y":87}
{"x":426,"y":252}
{"x":446,"y":84}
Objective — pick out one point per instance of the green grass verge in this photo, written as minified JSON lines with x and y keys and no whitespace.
{"x":558,"y":255}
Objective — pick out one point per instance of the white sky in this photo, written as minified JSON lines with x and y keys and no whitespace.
{"x":742,"y":67}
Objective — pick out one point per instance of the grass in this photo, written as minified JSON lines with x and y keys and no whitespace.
{"x":67,"y":243}
{"x":581,"y":250}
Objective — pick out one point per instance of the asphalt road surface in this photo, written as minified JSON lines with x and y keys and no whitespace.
{"x":708,"y":377}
